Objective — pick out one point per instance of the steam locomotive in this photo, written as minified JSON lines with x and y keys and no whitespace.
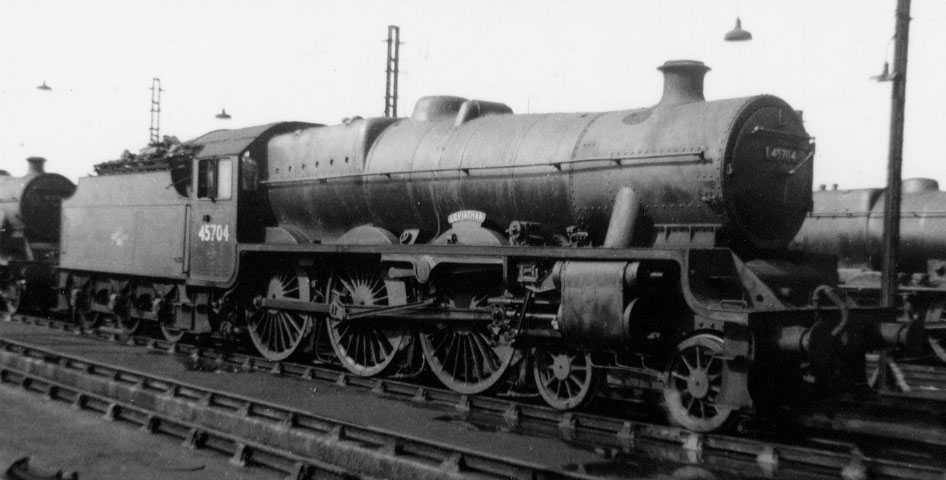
{"x":849,"y":224}
{"x":491,"y":249}
{"x":29,"y":234}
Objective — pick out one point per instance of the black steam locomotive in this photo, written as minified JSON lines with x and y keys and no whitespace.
{"x":29,"y":234}
{"x":849,"y":224}
{"x":490,"y":248}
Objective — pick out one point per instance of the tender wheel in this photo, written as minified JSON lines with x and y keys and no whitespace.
{"x":275,"y":333}
{"x":363,"y":347}
{"x":124,"y":320}
{"x":10,"y":297}
{"x":694,"y":380}
{"x":565,"y":379}
{"x":937,"y":341}
{"x":82,"y":314}
{"x":170,"y":333}
{"x":165,"y":312}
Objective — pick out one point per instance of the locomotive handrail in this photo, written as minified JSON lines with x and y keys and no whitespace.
{"x":697,"y":154}
{"x":771,"y":131}
{"x":832,"y":295}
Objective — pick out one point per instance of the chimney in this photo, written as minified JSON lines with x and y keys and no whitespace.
{"x":683,"y":82}
{"x":36,"y":165}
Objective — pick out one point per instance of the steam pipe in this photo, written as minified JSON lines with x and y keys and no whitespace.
{"x":623,"y":219}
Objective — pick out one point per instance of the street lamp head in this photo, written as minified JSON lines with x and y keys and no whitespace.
{"x":44,"y":87}
{"x":223,"y":115}
{"x":737,"y":34}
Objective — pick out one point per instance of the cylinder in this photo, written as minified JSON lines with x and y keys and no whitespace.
{"x":623,"y":219}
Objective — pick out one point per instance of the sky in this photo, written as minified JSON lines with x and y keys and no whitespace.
{"x":322,"y":61}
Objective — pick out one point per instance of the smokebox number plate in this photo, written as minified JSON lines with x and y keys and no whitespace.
{"x":784,"y":155}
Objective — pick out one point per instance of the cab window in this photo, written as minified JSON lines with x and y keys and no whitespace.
{"x":224,"y":174}
{"x":213,"y":178}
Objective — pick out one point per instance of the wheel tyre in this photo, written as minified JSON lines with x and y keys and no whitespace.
{"x":694,"y":379}
{"x":172,"y":334}
{"x":566,"y":380}
{"x":447,"y":352}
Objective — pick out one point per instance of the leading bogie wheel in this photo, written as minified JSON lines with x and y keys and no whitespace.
{"x":364,"y":347}
{"x":276,"y":333}
{"x":694,"y":380}
{"x":566,"y":379}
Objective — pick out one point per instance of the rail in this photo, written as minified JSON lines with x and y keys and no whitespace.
{"x":225,"y":422}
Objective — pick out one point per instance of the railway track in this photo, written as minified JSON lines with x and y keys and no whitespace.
{"x":252,"y":432}
{"x":611,"y":435}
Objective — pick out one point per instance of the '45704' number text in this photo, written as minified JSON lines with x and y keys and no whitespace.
{"x":211,"y":232}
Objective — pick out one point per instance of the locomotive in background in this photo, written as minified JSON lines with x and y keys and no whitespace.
{"x":490,"y":248}
{"x":29,"y":234}
{"x":849,"y":224}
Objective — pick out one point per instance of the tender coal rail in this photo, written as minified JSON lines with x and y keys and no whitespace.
{"x":606,"y":434}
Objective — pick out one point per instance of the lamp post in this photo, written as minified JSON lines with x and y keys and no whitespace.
{"x":891,"y":237}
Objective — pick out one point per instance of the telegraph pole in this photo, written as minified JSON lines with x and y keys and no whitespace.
{"x":891,"y":239}
{"x":155,"y":129}
{"x":391,"y":70}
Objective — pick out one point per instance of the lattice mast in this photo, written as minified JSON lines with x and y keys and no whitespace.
{"x":391,"y":70}
{"x":155,"y":129}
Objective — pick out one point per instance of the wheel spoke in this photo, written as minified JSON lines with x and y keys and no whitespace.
{"x":278,"y":332}
{"x":492,"y":358}
{"x":486,"y":353}
{"x":686,"y":363}
{"x":377,"y":350}
{"x":713,"y":361}
{"x":442,"y":338}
